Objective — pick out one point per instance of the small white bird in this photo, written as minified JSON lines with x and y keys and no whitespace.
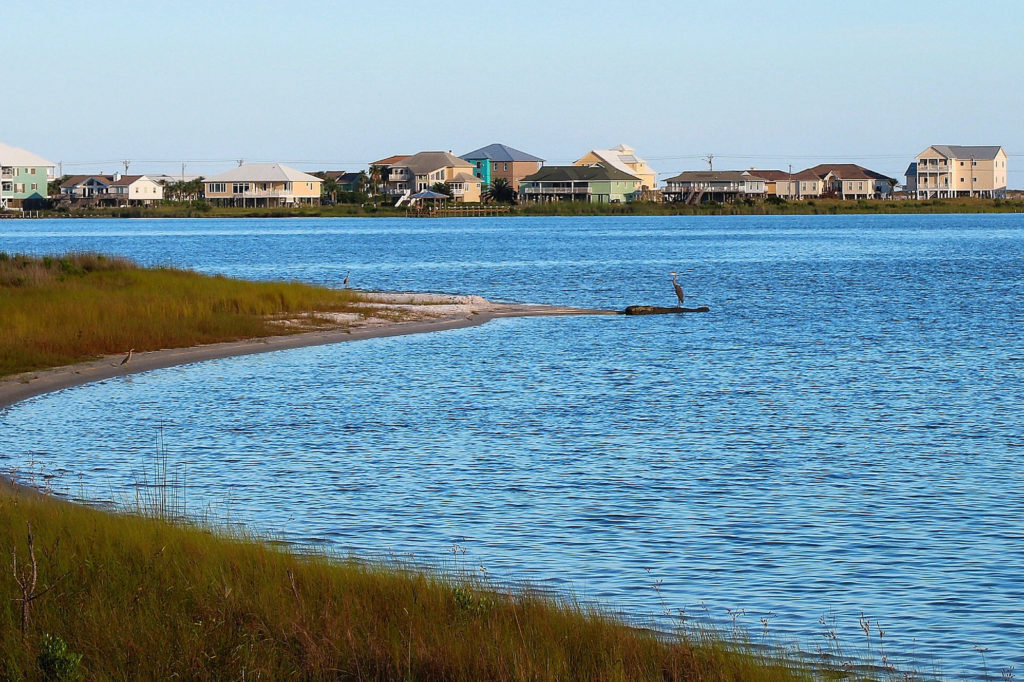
{"x":678,"y":288}
{"x":128,"y":357}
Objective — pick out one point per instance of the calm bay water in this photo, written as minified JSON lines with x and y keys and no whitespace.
{"x":843,"y":433}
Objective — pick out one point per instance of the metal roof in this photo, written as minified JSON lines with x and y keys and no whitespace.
{"x":959,"y":151}
{"x":578,"y":174}
{"x":716,"y":176}
{"x":500,"y":152}
{"x":263,"y":172}
{"x":15,"y":156}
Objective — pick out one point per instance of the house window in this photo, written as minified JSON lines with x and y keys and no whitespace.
{"x":32,"y":172}
{"x":239,"y":187}
{"x":961,"y":163}
{"x":961,"y":180}
{"x":287,"y":187}
{"x":506,"y":167}
{"x":974,"y":179}
{"x":34,"y":187}
{"x":218,"y":187}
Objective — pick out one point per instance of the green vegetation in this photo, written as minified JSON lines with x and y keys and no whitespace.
{"x":379,"y":207}
{"x":118,"y":596}
{"x":65,"y":309}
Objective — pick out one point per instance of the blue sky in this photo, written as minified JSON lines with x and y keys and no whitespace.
{"x":337,"y":85}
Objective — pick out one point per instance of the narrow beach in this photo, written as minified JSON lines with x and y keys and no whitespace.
{"x":427,"y":313}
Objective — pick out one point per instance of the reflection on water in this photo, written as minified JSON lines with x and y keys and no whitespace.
{"x":842,"y":433}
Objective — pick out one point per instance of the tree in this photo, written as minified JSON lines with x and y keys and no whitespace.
{"x":376,"y":178}
{"x":442,"y":188}
{"x":330,"y":188}
{"x":500,"y":190}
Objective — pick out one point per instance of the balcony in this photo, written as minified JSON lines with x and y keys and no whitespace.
{"x":399,"y":176}
{"x":7,"y":173}
{"x":556,"y":190}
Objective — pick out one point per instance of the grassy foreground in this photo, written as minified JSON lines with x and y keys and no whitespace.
{"x":60,"y":310}
{"x":130,"y":596}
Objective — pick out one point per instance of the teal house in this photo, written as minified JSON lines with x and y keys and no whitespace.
{"x":596,"y":184}
{"x":24,"y":178}
{"x":501,"y":161}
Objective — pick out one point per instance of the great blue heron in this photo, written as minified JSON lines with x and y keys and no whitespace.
{"x":128,"y":357}
{"x":678,"y":288}
{"x":345,"y":283}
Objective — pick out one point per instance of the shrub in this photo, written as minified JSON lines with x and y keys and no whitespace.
{"x":57,"y":661}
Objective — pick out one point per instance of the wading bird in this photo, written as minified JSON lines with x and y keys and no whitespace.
{"x":345,"y":283}
{"x":128,"y":357}
{"x":678,"y":288}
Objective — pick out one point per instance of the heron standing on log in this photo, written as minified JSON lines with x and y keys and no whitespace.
{"x":678,"y":288}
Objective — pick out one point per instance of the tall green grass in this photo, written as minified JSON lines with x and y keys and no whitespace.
{"x":59,"y":310}
{"x":142,"y":598}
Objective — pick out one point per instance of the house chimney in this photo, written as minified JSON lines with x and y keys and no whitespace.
{"x":117,"y":177}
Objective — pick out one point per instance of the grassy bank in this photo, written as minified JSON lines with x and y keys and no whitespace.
{"x":61,"y":310}
{"x":128,"y":596}
{"x":809,"y":207}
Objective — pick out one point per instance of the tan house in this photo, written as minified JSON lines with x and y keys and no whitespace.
{"x":623,"y":158}
{"x":842,"y":181}
{"x":421,"y":171}
{"x":263,"y":185}
{"x":958,"y":171}
{"x":777,"y":183}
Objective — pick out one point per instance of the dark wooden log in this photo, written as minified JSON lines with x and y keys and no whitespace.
{"x":657,"y":310}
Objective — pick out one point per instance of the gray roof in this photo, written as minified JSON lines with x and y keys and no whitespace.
{"x":427,"y":162}
{"x":263,"y":172}
{"x":959,"y":151}
{"x":714,"y":176}
{"x":500,"y":152}
{"x":578,"y":174}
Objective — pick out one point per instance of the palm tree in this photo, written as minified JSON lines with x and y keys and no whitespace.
{"x":442,"y":188}
{"x":501,"y":191}
{"x":330,"y":188}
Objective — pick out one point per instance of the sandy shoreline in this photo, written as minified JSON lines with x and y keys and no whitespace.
{"x":432,"y":313}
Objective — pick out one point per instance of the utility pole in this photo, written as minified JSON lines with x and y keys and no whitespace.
{"x":789,"y":190}
{"x":710,"y":158}
{"x":126,"y":163}
{"x":972,"y":175}
{"x":240,"y":162}
{"x":183,"y":171}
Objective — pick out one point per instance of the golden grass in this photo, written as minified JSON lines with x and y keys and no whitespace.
{"x":60,"y":310}
{"x":142,"y":598}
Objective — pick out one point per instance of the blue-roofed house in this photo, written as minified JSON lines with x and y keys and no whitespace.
{"x":501,"y":161}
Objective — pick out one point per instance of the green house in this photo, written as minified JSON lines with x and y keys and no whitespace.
{"x":24,"y":178}
{"x":596,"y":184}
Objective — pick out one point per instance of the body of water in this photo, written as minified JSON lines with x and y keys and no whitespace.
{"x":842,"y":434}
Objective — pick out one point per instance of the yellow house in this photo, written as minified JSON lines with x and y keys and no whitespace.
{"x":960,"y":171}
{"x":623,"y":158}
{"x":261,"y":185}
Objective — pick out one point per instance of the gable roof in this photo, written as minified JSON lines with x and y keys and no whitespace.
{"x":500,"y":152}
{"x":342,"y":177}
{"x":618,"y":156}
{"x":771,"y":175}
{"x":578,"y":174}
{"x":16,"y":156}
{"x":75,"y":180}
{"x":426,"y":162}
{"x":127,"y":180}
{"x":843,"y":171}
{"x":263,"y":172}
{"x":715,"y":176}
{"x":959,"y":151}
{"x":911,"y":169}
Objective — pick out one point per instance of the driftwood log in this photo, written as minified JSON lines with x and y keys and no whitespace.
{"x":657,"y":310}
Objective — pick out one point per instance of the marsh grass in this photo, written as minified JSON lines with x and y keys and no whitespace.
{"x":144,"y":598}
{"x":65,"y":309}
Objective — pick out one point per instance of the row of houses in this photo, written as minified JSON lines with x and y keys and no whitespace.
{"x":616,"y":174}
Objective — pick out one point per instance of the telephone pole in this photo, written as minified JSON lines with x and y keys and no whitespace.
{"x":710,"y":158}
{"x":126,"y":164}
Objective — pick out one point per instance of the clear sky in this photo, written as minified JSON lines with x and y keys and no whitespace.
{"x":337,"y":85}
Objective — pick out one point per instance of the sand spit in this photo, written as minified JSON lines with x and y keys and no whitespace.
{"x":388,"y":315}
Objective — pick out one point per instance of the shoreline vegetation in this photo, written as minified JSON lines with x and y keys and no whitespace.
{"x":202,"y":209}
{"x":151,"y":593}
